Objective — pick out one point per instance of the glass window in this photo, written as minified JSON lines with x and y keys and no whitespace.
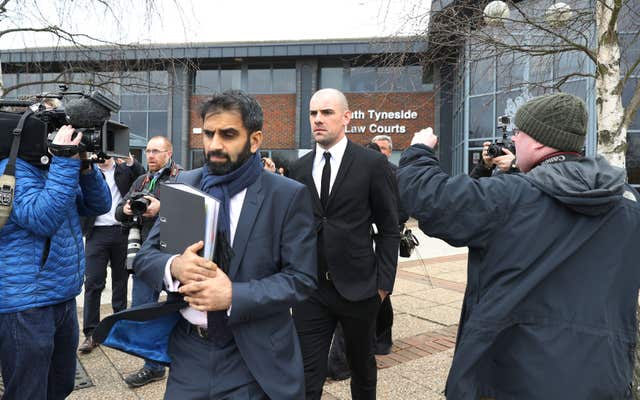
{"x":630,"y":52}
{"x":578,"y":88}
{"x":568,"y":63}
{"x":259,"y":80}
{"x":627,"y":94}
{"x":284,"y":80}
{"x":629,"y":16}
{"x":391,"y":79}
{"x":633,"y":158}
{"x":157,"y":124}
{"x":540,"y":70}
{"x":415,"y":80}
{"x":363,"y":79}
{"x":135,"y":83}
{"x":207,"y":81}
{"x":133,"y":102}
{"x":158,"y":101}
{"x":158,"y":81}
{"x":136,"y":121}
{"x":332,"y":78}
{"x":481,"y":76}
{"x":9,"y":80}
{"x":29,"y":90}
{"x":507,"y":103}
{"x":50,"y":87}
{"x":512,"y":69}
{"x":197,"y":158}
{"x":108,"y":83}
{"x":481,"y":117}
{"x":230,"y":79}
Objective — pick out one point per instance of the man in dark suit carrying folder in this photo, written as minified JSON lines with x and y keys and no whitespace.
{"x":351,"y":188}
{"x":237,"y":338}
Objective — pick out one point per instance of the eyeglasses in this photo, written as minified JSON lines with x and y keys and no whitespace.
{"x":155,"y":152}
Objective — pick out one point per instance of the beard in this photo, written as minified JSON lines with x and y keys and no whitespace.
{"x":227,"y":166}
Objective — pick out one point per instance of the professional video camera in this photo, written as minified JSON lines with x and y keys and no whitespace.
{"x":89,"y":113}
{"x":495,"y":148}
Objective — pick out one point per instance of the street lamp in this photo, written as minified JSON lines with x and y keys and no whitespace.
{"x":495,"y":13}
{"x":558,"y":14}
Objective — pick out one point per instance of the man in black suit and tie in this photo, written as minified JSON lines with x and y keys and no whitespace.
{"x":351,"y":188}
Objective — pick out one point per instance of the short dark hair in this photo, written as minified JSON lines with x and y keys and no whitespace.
{"x":373,"y":146}
{"x":235,"y":100}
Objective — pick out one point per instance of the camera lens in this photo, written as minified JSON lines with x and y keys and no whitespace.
{"x":139,"y":206}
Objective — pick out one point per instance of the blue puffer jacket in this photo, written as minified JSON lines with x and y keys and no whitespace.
{"x":41,"y":250}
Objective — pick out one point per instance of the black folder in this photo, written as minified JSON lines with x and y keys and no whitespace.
{"x":187,"y":216}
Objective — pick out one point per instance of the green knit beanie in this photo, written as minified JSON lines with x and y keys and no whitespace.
{"x":555,"y":120}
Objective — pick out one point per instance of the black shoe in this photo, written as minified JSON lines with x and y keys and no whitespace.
{"x":88,"y":345}
{"x":339,"y":375}
{"x":383,"y":349}
{"x":143,"y":376}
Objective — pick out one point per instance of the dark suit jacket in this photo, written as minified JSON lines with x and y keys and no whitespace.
{"x":363,"y":193}
{"x":124,"y":177}
{"x":273,"y":268}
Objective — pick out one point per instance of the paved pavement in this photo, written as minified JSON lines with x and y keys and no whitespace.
{"x":427,"y":300}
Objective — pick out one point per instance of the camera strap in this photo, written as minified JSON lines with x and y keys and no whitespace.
{"x":8,"y":179}
{"x":560,"y":156}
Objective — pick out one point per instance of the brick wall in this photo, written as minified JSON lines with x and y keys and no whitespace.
{"x":279,"y":121}
{"x":280,"y":118}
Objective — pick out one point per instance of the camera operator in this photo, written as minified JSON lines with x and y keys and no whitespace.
{"x":505,"y":163}
{"x":41,"y":268}
{"x":552,"y":287}
{"x":106,"y":243}
{"x":144,"y":197}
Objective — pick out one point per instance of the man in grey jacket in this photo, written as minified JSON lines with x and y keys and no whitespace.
{"x":549,"y":309}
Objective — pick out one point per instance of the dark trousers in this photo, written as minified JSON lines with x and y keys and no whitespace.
{"x":316,"y":319}
{"x":201,"y":370}
{"x":337,"y":358}
{"x":107,"y":244}
{"x":38,"y":352}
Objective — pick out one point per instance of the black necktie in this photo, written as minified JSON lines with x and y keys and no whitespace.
{"x":326,"y":179}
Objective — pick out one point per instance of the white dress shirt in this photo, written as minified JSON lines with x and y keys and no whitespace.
{"x":337,"y":152}
{"x":192,"y":315}
{"x":109,"y":219}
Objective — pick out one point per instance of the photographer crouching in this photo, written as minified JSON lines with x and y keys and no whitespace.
{"x":139,"y":210}
{"x":42,"y":263}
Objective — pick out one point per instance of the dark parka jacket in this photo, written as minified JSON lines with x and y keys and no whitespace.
{"x":553,"y":277}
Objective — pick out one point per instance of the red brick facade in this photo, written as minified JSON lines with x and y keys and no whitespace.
{"x":398,"y":115}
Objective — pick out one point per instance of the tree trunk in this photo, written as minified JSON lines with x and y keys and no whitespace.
{"x":612,"y":135}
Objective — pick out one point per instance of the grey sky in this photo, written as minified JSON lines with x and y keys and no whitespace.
{"x":175,"y":21}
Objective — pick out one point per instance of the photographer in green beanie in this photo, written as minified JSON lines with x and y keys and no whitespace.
{"x":552,"y":286}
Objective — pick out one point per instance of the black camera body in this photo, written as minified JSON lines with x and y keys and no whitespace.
{"x":505,"y":142}
{"x":139,"y":203}
{"x":495,"y":148}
